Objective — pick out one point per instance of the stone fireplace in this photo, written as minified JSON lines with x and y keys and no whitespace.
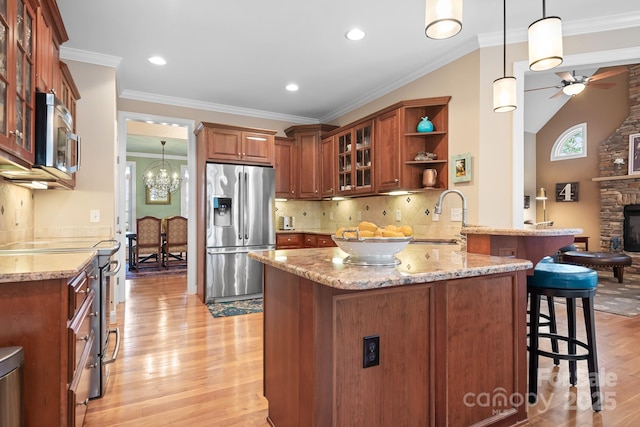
{"x":618,"y":189}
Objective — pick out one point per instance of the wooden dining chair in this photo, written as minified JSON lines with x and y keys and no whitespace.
{"x":148,"y":244}
{"x":174,"y":249}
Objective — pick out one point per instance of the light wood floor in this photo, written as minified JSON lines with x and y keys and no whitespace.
{"x":179,"y":366}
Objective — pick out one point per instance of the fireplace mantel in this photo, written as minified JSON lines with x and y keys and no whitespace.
{"x":615,"y":178}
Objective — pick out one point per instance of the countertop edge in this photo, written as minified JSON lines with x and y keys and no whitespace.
{"x":493,"y":265}
{"x":521,"y":232}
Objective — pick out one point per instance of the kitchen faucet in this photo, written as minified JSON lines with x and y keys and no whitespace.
{"x":464,"y":204}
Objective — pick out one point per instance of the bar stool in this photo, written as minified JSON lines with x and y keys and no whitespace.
{"x":570,"y":282}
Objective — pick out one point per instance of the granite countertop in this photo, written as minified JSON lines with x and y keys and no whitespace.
{"x":419,"y":264}
{"x":521,"y":232}
{"x":43,"y":266}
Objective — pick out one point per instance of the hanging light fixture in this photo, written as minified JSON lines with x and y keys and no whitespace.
{"x":504,"y":88}
{"x":443,"y":18}
{"x":545,"y":42}
{"x":160,"y":178}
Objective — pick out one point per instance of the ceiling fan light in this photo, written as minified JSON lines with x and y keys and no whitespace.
{"x":545,"y":43}
{"x":573,"y":88}
{"x":443,"y":18}
{"x":504,"y":94}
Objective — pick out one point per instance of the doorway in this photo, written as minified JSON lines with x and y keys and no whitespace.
{"x":154,"y":128}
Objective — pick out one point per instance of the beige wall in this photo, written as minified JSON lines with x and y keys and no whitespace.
{"x":603,"y":111}
{"x":61,"y":213}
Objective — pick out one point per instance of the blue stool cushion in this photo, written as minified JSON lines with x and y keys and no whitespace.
{"x":562,"y":276}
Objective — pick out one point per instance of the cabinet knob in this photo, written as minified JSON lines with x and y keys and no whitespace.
{"x":84,"y":338}
{"x":84,"y":402}
{"x":395,"y":180}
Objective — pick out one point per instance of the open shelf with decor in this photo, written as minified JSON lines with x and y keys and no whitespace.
{"x":425,"y":150}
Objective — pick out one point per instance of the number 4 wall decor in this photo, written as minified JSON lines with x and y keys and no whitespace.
{"x":567,"y":192}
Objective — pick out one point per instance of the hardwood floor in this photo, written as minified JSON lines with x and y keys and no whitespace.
{"x":179,"y":366}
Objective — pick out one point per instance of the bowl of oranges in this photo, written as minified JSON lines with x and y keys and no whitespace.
{"x":369,"y":244}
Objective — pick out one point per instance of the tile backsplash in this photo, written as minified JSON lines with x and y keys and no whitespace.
{"x":415,"y":210}
{"x":16,"y":213}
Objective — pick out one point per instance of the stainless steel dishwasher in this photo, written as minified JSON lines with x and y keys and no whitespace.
{"x":11,"y":360}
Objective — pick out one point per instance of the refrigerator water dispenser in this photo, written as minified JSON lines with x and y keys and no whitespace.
{"x":222,"y":211}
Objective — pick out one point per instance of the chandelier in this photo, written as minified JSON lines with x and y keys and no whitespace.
{"x":160,"y":178}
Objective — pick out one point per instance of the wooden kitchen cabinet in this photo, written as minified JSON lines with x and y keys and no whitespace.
{"x":308,"y":139}
{"x":388,"y":165}
{"x":50,"y":320}
{"x":50,"y":35}
{"x":355,"y":159}
{"x":69,"y":93}
{"x":17,"y":105}
{"x":289,"y":241}
{"x":234,"y":144}
{"x":286,"y":167}
{"x":328,"y":173}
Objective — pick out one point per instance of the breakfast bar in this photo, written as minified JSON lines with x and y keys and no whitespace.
{"x":448,"y":329}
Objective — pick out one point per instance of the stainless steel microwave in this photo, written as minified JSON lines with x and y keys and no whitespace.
{"x":57,"y":148}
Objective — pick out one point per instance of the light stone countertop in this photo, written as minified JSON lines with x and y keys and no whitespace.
{"x":522,"y":232}
{"x":419,"y":264}
{"x":43,"y":266}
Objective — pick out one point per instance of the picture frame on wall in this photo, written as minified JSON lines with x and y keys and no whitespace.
{"x":153,"y":199}
{"x":461,"y":168}
{"x":634,"y":154}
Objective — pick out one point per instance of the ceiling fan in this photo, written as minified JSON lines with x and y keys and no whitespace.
{"x":572,"y":84}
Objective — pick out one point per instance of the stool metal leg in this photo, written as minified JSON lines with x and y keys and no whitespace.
{"x":533,"y":348}
{"x":553,"y":328}
{"x":571,"y":324}
{"x":592,"y":361}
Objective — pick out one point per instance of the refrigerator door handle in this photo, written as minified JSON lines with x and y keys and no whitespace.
{"x":240,"y":208}
{"x":246,"y":192}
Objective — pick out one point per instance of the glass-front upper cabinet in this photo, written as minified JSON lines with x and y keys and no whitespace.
{"x":16,"y":81}
{"x":355,"y":150}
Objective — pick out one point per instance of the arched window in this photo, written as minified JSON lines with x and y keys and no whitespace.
{"x":572,"y":144}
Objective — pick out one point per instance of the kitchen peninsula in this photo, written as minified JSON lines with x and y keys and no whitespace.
{"x":451,"y":328}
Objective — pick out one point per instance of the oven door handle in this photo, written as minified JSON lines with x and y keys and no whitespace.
{"x":114,"y":356}
{"x":113,"y":271}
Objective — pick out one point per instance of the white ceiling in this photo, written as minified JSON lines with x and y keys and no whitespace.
{"x":237,"y":56}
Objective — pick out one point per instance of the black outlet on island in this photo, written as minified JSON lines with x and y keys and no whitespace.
{"x":371,"y":351}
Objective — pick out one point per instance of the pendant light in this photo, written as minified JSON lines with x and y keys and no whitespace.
{"x":160,"y":178}
{"x":545,"y":42}
{"x":504,"y":88}
{"x":443,"y":18}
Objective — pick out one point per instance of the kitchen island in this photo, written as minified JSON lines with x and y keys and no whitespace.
{"x":451,"y":327}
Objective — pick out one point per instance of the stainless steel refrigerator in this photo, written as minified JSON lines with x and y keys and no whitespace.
{"x":240,"y":204}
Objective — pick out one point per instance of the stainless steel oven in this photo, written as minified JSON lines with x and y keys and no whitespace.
{"x":106,"y":268}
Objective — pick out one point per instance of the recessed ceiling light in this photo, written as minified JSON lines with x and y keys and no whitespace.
{"x":355,"y":34}
{"x":292,"y":87}
{"x":157,"y":60}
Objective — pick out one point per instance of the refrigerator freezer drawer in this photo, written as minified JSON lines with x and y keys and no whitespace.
{"x":232,"y":274}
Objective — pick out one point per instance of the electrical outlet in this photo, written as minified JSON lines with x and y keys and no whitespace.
{"x":456,"y":214}
{"x":371,"y":351}
{"x":94,"y":215}
{"x":436,"y":217}
{"x":398,"y":215}
{"x":331,"y":216}
{"x":359,"y":215}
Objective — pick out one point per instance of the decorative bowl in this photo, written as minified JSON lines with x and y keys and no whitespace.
{"x":371,"y":250}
